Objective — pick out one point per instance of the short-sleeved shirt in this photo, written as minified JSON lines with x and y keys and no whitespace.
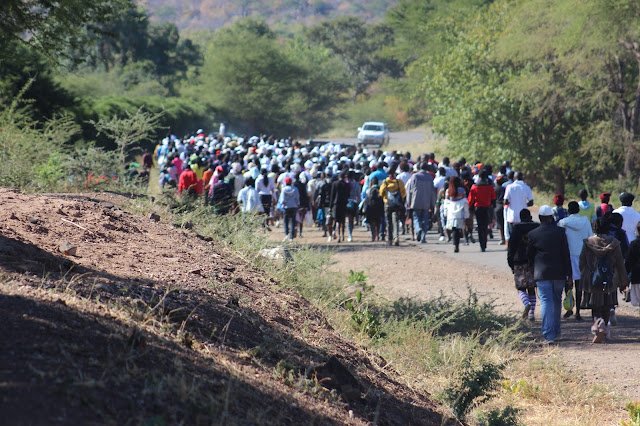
{"x":630,"y":219}
{"x":519,"y":194}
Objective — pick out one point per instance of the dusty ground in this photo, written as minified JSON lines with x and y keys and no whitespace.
{"x":147,"y":323}
{"x":427,"y":270}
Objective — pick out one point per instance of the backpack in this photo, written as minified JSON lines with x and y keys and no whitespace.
{"x":602,"y":278}
{"x":373,"y":200}
{"x":325,"y":194}
{"x":394,"y":199}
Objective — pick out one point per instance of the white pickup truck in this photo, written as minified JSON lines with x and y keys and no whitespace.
{"x":373,"y":133}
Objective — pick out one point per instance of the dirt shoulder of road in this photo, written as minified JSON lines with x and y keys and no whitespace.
{"x":111,"y":317}
{"x":426,"y":271}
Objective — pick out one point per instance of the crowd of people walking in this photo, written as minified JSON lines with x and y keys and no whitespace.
{"x":590,"y":249}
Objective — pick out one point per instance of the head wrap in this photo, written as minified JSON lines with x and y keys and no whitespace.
{"x":558,"y":199}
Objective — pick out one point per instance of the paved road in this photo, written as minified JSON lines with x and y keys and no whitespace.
{"x":495,"y":257}
{"x":397,"y":138}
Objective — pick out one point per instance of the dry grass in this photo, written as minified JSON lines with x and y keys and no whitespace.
{"x":431,"y":143}
{"x":534,"y":381}
{"x":417,"y":342}
{"x":549,"y":394}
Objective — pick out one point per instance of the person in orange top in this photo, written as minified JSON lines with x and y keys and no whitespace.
{"x":206,"y":177}
{"x":189,"y":182}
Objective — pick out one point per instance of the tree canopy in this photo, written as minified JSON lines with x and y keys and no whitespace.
{"x":360,"y":47}
{"x":272,"y":88}
{"x":53,"y":26}
{"x":548,"y":86}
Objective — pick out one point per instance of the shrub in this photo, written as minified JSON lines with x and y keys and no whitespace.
{"x":364,"y":320}
{"x":473,"y":387}
{"x":633,"y":408}
{"x":508,"y":416}
{"x":31,"y":152}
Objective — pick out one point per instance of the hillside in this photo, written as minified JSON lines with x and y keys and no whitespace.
{"x":211,"y":14}
{"x":114,"y":318}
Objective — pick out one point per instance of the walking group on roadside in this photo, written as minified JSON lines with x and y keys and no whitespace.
{"x":593,"y":250}
{"x":331,"y":186}
{"x":590,"y":249}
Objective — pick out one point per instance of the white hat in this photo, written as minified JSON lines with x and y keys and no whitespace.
{"x":545,"y":211}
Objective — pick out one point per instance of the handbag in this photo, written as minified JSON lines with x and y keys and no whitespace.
{"x":569,"y":301}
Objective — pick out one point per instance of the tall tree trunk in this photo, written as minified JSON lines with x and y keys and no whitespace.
{"x":104,"y":53}
{"x":631,"y":117}
{"x":559,"y":180}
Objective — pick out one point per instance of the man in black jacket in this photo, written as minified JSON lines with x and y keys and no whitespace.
{"x":518,"y":259}
{"x":549,"y":255}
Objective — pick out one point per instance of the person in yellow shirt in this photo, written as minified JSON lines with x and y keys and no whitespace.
{"x":393,"y":194}
{"x":587,"y":209}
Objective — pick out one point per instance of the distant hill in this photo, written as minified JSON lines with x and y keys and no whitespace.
{"x":212,"y":14}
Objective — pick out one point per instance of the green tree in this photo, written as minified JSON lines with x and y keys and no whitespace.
{"x":360,"y":47}
{"x":32,"y":74}
{"x":492,"y":110}
{"x":131,"y":42}
{"x":265,"y":85}
{"x":52,"y":26}
{"x":427,"y":27}
{"x":30,"y":150}
{"x":320,"y":88}
{"x":248,"y":75}
{"x":422,"y":29}
{"x":128,"y":132}
{"x":597,"y":45}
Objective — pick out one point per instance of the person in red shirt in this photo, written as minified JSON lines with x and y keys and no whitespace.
{"x":189,"y":182}
{"x":482,"y":196}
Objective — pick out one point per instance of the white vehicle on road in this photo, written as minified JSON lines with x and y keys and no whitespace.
{"x":373,"y":133}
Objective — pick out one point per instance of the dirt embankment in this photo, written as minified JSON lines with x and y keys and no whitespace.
{"x":142,"y":322}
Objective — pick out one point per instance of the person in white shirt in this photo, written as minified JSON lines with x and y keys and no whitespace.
{"x":439,"y":180}
{"x":450,"y":172}
{"x":578,"y":229}
{"x":248,"y":198}
{"x":517,"y":196}
{"x":629,"y":215}
{"x":405,"y":173}
{"x":266,"y":191}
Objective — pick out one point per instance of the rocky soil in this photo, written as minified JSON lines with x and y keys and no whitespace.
{"x":113,"y":318}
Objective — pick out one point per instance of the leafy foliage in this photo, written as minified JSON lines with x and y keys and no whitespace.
{"x":51,"y":27}
{"x":180,"y":114}
{"x":360,"y":47}
{"x":31,"y":74}
{"x":508,"y":416}
{"x":474,"y":385}
{"x":596,"y":47}
{"x":31,"y":152}
{"x":131,"y":42}
{"x":364,"y":320}
{"x":633,"y":408}
{"x":128,"y":132}
{"x":269,"y":87}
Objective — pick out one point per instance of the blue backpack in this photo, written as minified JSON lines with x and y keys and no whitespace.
{"x":602,"y":279}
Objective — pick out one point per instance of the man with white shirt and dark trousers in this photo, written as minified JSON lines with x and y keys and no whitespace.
{"x":517,"y":196}
{"x":629,"y":215}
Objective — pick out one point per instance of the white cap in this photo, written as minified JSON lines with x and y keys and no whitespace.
{"x":545,"y":211}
